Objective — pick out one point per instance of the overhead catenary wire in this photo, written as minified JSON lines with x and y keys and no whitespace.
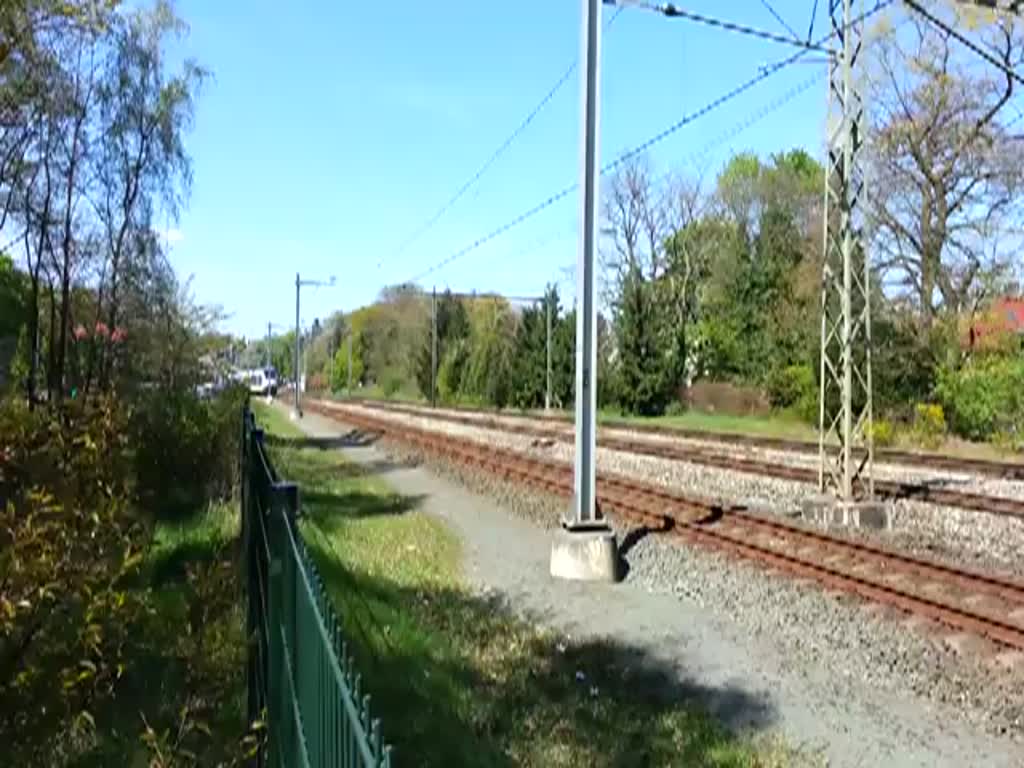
{"x":673,"y":11}
{"x":493,"y":158}
{"x":639,"y":149}
{"x":778,"y":18}
{"x":765,"y":73}
{"x":726,"y":136}
{"x":965,"y":41}
{"x":814,"y":16}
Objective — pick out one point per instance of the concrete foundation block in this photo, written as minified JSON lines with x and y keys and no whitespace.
{"x":584,"y":556}
{"x":827,"y":510}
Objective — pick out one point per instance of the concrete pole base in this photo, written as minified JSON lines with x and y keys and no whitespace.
{"x":590,"y":555}
{"x":827,"y":510}
{"x":294,"y":415}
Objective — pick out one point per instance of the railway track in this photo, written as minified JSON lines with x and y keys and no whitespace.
{"x":934,"y":494}
{"x":964,"y":600}
{"x":1006,"y":470}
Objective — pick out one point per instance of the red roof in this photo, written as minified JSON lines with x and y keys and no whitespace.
{"x":1005,"y":316}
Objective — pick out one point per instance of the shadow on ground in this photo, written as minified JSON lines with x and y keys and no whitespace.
{"x":354,"y":504}
{"x":459,"y":679}
{"x":354,"y":438}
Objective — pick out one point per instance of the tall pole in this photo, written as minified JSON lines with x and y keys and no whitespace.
{"x":547,"y":378}
{"x":433,"y":348}
{"x":269,"y":360}
{"x":585,"y":513}
{"x":298,"y":342}
{"x":846,"y":450}
{"x":350,"y":362}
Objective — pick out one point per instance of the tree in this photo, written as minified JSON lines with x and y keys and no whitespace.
{"x":452,"y":327}
{"x":143,"y":115}
{"x":487,"y":373}
{"x":643,"y":386}
{"x":945,"y":167}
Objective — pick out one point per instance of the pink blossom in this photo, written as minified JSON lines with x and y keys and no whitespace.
{"x":80,"y":332}
{"x":118,"y":335}
{"x":102,"y":329}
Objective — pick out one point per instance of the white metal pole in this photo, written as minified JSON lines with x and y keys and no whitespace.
{"x":547,"y":369}
{"x":585,"y":513}
{"x":298,"y":341}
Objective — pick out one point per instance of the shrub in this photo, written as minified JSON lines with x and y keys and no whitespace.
{"x":69,"y":539}
{"x":985,"y":398}
{"x":794,"y":387}
{"x":186,"y":449}
{"x":391,"y":382}
{"x":929,"y":424}
{"x":675,"y":408}
{"x":883,"y":433}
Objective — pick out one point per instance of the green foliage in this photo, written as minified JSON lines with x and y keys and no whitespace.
{"x":105,"y":616}
{"x":929,"y":424}
{"x":676,"y":408}
{"x":391,"y":382}
{"x":187,"y":449}
{"x":452,"y":327}
{"x":69,"y":540}
{"x":529,"y":365}
{"x":487,"y":374}
{"x":985,"y":398}
{"x":795,"y":387}
{"x":643,"y":389}
{"x":883,"y":433}
{"x":14,"y":299}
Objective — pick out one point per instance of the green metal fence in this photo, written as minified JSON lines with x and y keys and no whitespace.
{"x":301,"y":676}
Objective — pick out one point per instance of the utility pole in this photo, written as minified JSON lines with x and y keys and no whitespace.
{"x":585,"y":513}
{"x":586,"y":549}
{"x":547,"y":378}
{"x":350,"y":362}
{"x":297,"y":413}
{"x":433,"y":348}
{"x":269,"y":360}
{"x":846,"y":446}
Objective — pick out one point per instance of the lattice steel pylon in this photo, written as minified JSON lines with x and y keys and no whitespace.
{"x":846,"y":449}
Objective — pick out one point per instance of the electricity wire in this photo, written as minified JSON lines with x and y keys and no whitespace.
{"x":502,"y":148}
{"x":762,"y":75}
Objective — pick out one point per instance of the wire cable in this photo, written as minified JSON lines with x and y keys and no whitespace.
{"x":814,"y":15}
{"x":640,"y":148}
{"x":967,"y":43}
{"x":468,"y":184}
{"x":673,"y":11}
{"x":779,"y":19}
{"x":762,"y":75}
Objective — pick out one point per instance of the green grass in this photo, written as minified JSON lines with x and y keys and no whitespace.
{"x":458,"y":679}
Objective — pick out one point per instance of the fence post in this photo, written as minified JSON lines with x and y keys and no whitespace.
{"x":283,"y":505}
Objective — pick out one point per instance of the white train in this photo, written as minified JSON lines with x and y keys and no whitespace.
{"x":261,"y":381}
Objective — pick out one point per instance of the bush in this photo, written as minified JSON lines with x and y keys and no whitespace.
{"x":985,"y":398}
{"x":794,"y":387}
{"x":675,"y":408}
{"x":69,"y":538}
{"x":883,"y":433}
{"x":391,"y":382}
{"x":929,"y":424}
{"x":187,"y":449}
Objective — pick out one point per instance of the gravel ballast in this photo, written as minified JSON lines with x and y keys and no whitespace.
{"x":954,"y":535}
{"x":842,"y":676}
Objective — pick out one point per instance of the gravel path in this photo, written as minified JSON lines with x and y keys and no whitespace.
{"x":767,"y":654}
{"x":951,"y":534}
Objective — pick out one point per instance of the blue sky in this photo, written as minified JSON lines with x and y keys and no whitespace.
{"x":331,"y":132}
